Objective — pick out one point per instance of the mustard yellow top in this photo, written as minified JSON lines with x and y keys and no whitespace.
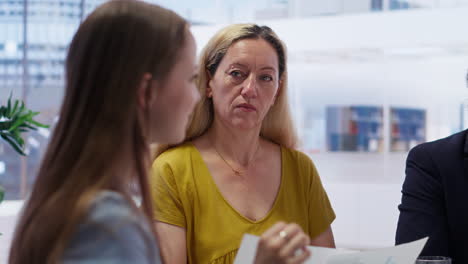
{"x":186,"y":195}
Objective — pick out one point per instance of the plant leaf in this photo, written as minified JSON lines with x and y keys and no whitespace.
{"x":15,"y":106}
{"x":9,"y":102}
{"x":38,"y":124}
{"x":15,"y":146}
{"x":20,"y":121}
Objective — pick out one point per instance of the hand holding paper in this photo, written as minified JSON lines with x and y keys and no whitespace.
{"x":282,"y":243}
{"x":401,"y":254}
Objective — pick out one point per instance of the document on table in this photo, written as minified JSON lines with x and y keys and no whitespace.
{"x":401,"y":254}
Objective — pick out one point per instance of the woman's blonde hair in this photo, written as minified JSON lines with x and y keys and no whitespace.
{"x":277,"y":125}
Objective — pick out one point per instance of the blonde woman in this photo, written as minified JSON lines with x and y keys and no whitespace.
{"x":238,"y":171}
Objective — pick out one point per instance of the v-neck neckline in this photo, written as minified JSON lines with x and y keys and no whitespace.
{"x":220,"y":194}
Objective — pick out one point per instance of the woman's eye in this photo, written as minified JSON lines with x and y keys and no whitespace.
{"x":236,"y":74}
{"x":267,"y":78}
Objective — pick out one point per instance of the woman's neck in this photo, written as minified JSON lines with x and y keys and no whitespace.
{"x":236,"y":145}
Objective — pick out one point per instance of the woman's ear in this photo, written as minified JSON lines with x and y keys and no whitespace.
{"x":209,"y":89}
{"x":145,"y":93}
{"x":280,"y":88}
{"x":209,"y":86}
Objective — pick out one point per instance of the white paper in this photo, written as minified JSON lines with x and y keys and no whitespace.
{"x":401,"y":254}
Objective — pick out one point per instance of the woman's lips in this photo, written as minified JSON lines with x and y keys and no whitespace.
{"x":247,"y":107}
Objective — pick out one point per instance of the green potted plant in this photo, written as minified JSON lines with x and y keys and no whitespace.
{"x":16,"y":119}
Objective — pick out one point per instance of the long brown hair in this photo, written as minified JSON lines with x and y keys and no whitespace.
{"x":100,"y":130}
{"x":277,"y":125}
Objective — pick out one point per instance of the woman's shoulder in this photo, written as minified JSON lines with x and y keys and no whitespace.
{"x":176,"y":153}
{"x":109,"y":205}
{"x":114,"y":210}
{"x":300,"y":165}
{"x":112,"y":229}
{"x":177,"y":163}
{"x":297,"y":157}
{"x":175,"y":159}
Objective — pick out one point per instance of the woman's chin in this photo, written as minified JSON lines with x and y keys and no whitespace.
{"x":245,"y":125}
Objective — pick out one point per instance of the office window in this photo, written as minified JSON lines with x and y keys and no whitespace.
{"x":31,"y":69}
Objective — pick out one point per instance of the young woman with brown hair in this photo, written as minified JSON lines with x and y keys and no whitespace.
{"x":130,"y":82}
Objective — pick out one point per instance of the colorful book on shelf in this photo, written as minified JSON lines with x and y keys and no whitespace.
{"x":354,"y":128}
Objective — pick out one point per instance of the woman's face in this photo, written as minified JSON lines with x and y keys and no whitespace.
{"x":245,"y":84}
{"x":176,"y":98}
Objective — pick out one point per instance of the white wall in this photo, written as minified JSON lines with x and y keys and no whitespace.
{"x":307,"y":8}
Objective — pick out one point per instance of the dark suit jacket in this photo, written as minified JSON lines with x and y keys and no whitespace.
{"x":435,"y":198}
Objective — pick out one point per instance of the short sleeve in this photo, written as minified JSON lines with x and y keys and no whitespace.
{"x":320,"y":210}
{"x":167,"y":202}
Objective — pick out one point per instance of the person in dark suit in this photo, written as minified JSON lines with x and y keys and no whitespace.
{"x":434,"y":199}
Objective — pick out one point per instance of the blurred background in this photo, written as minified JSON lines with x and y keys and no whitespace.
{"x":368,"y":80}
